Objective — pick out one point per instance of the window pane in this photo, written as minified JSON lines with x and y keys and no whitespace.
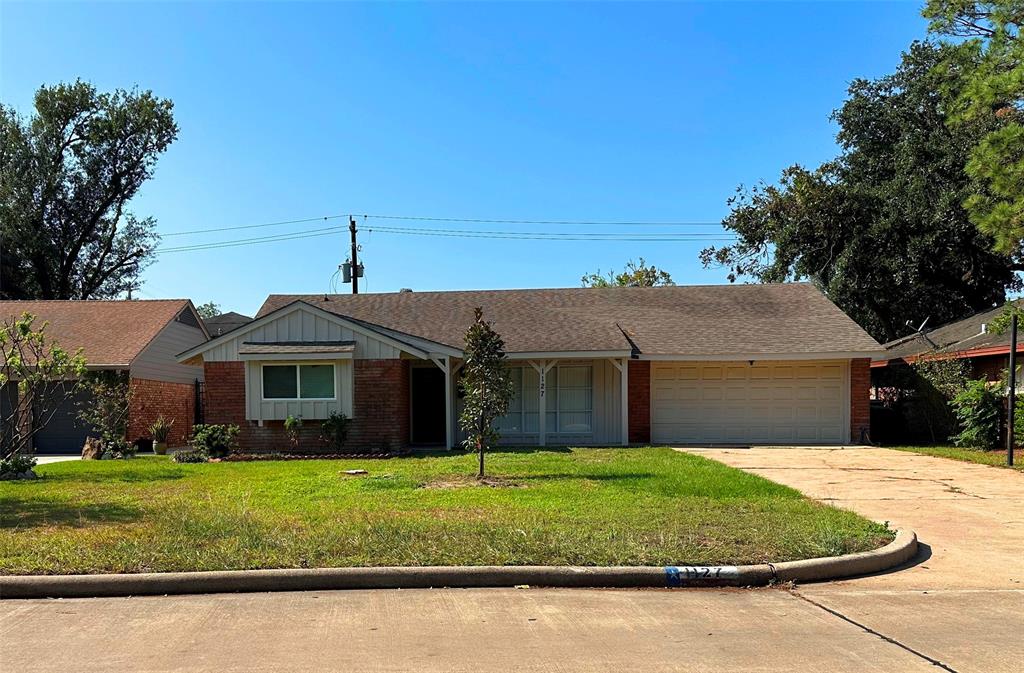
{"x":317,"y":381}
{"x":574,"y":399}
{"x":279,"y":382}
{"x":574,"y":422}
{"x":516,"y":405}
{"x":574,"y":377}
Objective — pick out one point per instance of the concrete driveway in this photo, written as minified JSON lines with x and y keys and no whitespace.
{"x":962,"y":600}
{"x":948,"y":612}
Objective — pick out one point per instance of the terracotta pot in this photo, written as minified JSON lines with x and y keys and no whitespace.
{"x":160,"y":448}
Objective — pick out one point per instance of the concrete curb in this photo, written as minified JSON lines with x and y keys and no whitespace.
{"x":899,"y":551}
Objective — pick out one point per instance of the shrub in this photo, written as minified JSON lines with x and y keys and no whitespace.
{"x":16,"y":465}
{"x":190,"y":456}
{"x":292,"y":426}
{"x":161,"y":429}
{"x":216,"y":441}
{"x":334,"y":430}
{"x":106,"y":410}
{"x":978,"y":408}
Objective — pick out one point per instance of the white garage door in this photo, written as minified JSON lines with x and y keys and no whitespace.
{"x":740,"y":403}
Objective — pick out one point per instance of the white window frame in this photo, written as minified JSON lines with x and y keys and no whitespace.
{"x":298,"y":381}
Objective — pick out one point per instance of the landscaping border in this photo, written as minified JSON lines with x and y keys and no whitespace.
{"x":899,"y":551}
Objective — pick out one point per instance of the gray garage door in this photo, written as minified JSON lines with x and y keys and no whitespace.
{"x":64,"y":433}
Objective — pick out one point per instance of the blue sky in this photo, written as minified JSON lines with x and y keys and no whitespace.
{"x":609,"y":112}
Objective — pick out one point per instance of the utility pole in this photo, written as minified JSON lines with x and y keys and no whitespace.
{"x":1013,"y":391}
{"x":355,"y":255}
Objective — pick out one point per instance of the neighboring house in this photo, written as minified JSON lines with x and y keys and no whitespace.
{"x":968,"y":339}
{"x":141,"y":338}
{"x":736,"y":364}
{"x":225,"y":322}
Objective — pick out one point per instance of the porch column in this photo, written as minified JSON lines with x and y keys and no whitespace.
{"x":449,"y":430}
{"x":542,"y":368}
{"x":624,"y":392}
{"x":445,"y":364}
{"x":623,"y":366}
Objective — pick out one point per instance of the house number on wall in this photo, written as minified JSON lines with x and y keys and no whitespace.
{"x":543,"y":383}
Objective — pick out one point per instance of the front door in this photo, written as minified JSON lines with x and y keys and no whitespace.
{"x":427,"y":402}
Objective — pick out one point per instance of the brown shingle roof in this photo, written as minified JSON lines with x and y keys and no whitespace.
{"x":109,"y":332}
{"x":956,"y":336}
{"x":788,"y":318}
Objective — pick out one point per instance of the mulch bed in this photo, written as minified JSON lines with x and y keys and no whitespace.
{"x":245,"y":457}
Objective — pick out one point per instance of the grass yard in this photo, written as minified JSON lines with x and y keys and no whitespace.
{"x":997,"y":458}
{"x":583,"y":507}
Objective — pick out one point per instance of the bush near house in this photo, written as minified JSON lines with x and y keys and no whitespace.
{"x":216,"y":441}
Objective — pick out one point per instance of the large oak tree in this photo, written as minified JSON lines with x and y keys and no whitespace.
{"x":67,"y":175}
{"x":882,"y":229}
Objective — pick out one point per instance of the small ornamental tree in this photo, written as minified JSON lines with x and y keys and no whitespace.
{"x":106,"y":410}
{"x":36,"y":377}
{"x":487,"y":386}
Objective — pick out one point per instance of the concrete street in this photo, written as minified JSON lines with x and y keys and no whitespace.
{"x":960,"y":607}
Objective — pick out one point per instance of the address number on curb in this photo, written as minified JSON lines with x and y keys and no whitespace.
{"x":678,"y":575}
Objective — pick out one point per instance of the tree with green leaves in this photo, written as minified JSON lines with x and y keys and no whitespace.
{"x":36,"y":377}
{"x":208,"y":310}
{"x":486,"y":384}
{"x":987,"y":53}
{"x":882,"y":228}
{"x":634,"y":275}
{"x":69,"y":173}
{"x":105,"y":409}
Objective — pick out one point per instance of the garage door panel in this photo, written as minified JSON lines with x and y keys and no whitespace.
{"x":771,"y":403}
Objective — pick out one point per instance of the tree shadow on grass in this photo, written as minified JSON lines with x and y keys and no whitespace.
{"x":583,"y":476}
{"x":25,"y":513}
{"x":128,"y":477}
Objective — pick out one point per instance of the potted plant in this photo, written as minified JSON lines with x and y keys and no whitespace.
{"x":160,"y":430}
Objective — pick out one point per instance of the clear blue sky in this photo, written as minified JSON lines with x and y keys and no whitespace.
{"x":652,"y":112}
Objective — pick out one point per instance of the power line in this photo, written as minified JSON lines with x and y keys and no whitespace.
{"x":423,"y":218}
{"x":461,"y":233}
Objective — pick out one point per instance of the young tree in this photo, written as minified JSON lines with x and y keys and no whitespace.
{"x":487,"y":385}
{"x":106,"y":409}
{"x":36,"y":377}
{"x":882,"y":228}
{"x":69,"y":173}
{"x":634,"y":275}
{"x":991,"y":62}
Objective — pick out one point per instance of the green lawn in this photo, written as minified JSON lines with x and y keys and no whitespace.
{"x":584,"y":506}
{"x":997,"y":458}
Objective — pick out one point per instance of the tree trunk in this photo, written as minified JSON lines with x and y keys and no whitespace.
{"x":480,"y":450}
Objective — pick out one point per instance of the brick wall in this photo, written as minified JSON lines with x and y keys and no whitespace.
{"x":152,"y":399}
{"x":380,"y":409}
{"x":639,"y":401}
{"x":860,"y":398}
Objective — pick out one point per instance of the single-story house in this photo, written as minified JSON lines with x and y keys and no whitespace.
{"x":225,"y":322}
{"x":969,"y":339}
{"x":141,"y":338}
{"x":736,"y":364}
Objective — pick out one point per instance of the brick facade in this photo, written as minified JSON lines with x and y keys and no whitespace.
{"x":860,"y":399}
{"x":380,"y":409}
{"x":152,"y":399}
{"x":639,"y":384}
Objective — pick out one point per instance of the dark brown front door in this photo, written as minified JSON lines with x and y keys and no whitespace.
{"x":427,"y":401}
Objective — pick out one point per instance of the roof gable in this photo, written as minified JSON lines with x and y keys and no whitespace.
{"x":109,"y":332}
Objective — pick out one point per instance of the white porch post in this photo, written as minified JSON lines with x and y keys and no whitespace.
{"x":542,"y":374}
{"x":445,"y":364}
{"x":624,"y":379}
{"x":542,"y":419}
{"x":623,"y":367}
{"x":449,"y":430}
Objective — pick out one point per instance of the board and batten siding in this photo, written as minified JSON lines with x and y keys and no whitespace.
{"x":258,"y":409}
{"x":158,"y":361}
{"x":304,"y":326}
